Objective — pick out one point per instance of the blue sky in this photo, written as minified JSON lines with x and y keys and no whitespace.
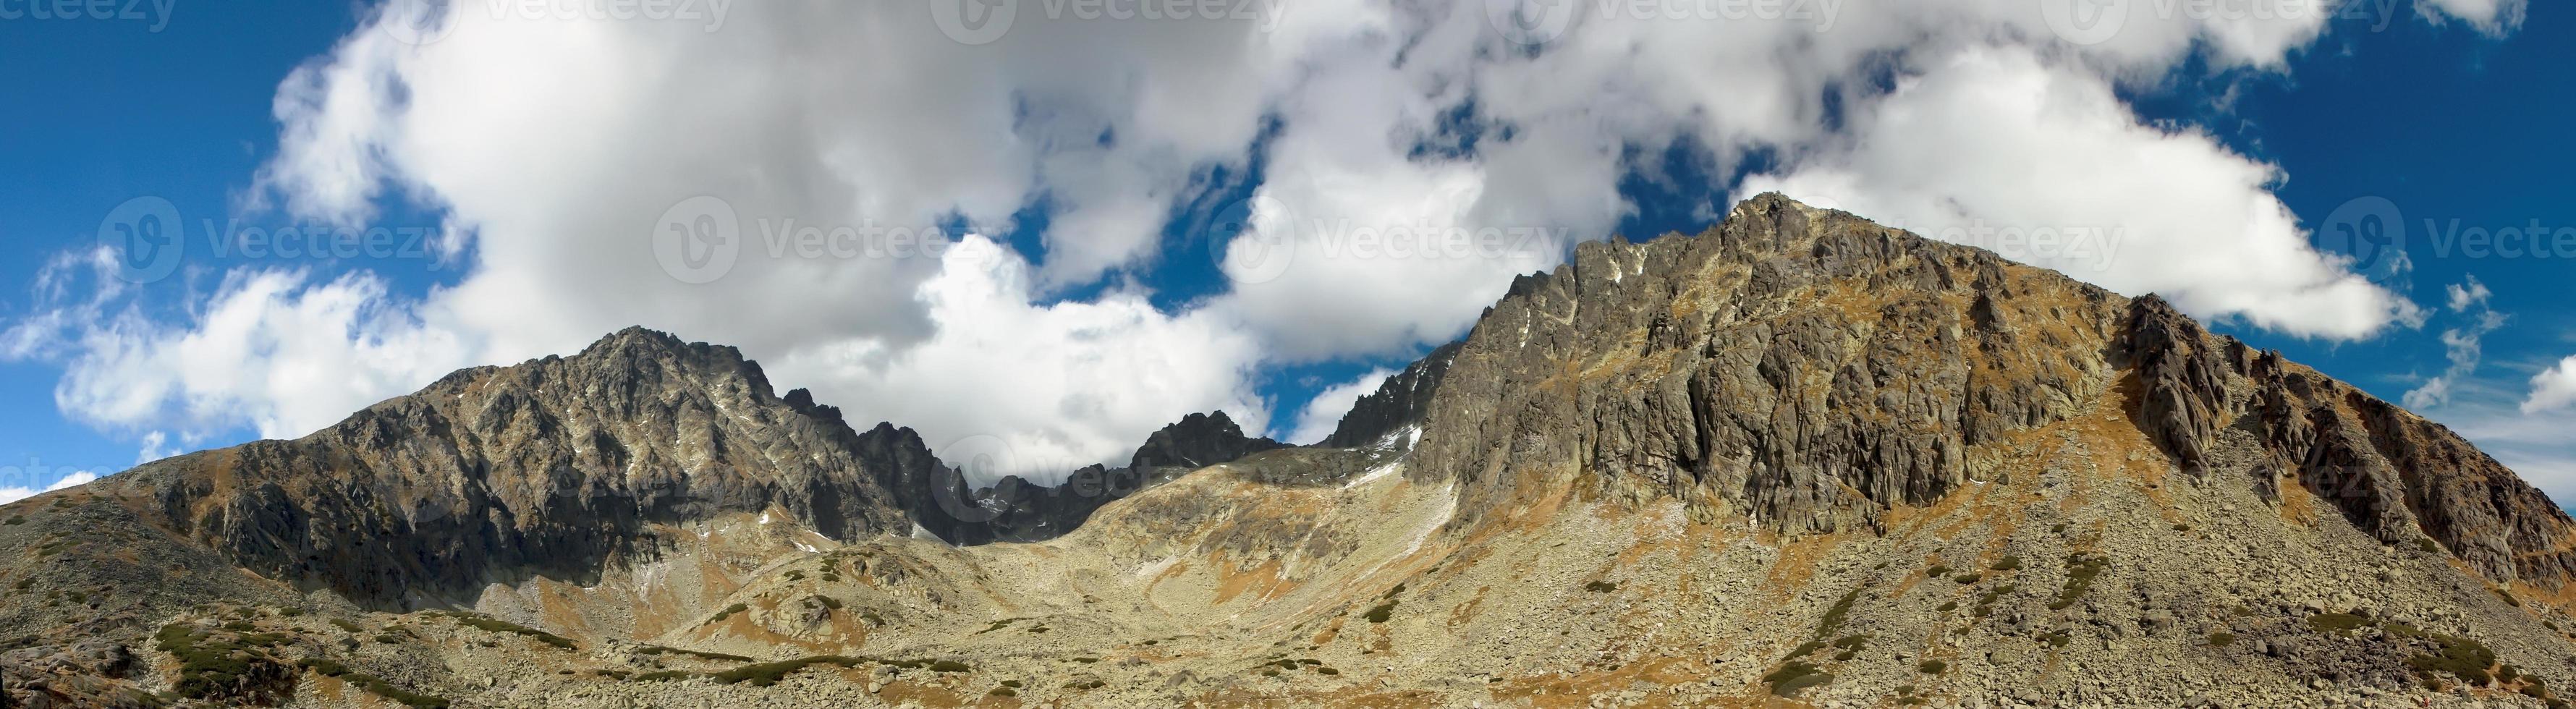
{"x":2449,"y":123}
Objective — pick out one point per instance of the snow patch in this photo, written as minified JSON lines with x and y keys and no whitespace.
{"x":1372,"y":475}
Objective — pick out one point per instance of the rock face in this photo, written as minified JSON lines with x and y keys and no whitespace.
{"x":1814,"y":370}
{"x":543,"y":468}
{"x":2391,"y":473}
{"x":1810,"y":368}
{"x":1397,"y":405}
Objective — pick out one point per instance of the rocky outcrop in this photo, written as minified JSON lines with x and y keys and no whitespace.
{"x":1397,"y":405}
{"x":1807,"y":367}
{"x":550,"y":467}
{"x":1812,"y":369}
{"x":1198,"y":441}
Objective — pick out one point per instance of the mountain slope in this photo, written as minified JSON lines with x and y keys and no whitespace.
{"x":1799,"y":459}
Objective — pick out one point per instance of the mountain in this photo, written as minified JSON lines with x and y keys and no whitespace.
{"x":1798,"y":459}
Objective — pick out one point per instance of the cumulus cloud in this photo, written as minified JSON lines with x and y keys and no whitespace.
{"x":14,"y":494}
{"x":1324,"y":412}
{"x":1410,"y":159}
{"x":2553,"y":389}
{"x":1039,"y":390}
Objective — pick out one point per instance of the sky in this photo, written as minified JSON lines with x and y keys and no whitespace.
{"x":1041,"y":229}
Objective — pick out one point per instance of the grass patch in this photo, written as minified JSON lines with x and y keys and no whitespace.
{"x":2339,"y":623}
{"x":2008,"y":563}
{"x":217,"y":668}
{"x":662,"y":676}
{"x":373,"y":684}
{"x":2081,"y":570}
{"x":495,"y":625}
{"x":1932,"y":667}
{"x":2222,"y":639}
{"x":660,"y":650}
{"x":1794,"y":677}
{"x":727,"y":613}
{"x":2462,"y":658}
{"x":1380,"y":613}
{"x":1835,"y":615}
{"x":1968,"y":578}
{"x":768,"y":673}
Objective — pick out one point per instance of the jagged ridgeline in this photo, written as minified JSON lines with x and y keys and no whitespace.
{"x":1798,"y":458}
{"x":1814,"y":370}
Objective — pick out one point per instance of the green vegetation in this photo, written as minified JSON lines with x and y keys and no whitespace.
{"x":1005,"y":692}
{"x":1601,"y":587}
{"x":829,"y":602}
{"x":15,"y":520}
{"x":373,"y":684}
{"x":1936,"y":571}
{"x":213,"y":668}
{"x":2081,"y":569}
{"x":2180,"y":527}
{"x":495,"y":625}
{"x":2222,"y":639}
{"x":1948,"y":606}
{"x":727,"y":613}
{"x":1795,"y":676}
{"x":660,"y":650}
{"x":2008,"y":563}
{"x":2340,"y":623}
{"x":1932,"y":667}
{"x":2468,"y":660}
{"x":1968,"y":578}
{"x":1380,"y":613}
{"x":2428,"y":545}
{"x":2056,"y":638}
{"x":768,"y":673}
{"x":1834,"y":616}
{"x":663,"y":676}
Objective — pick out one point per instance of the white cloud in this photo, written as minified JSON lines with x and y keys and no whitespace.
{"x":553,"y":149}
{"x":1996,"y":143}
{"x":1042,"y":389}
{"x":1324,"y":412}
{"x":2468,"y":295}
{"x":14,"y":494}
{"x":2553,"y":390}
{"x":2462,"y":345}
